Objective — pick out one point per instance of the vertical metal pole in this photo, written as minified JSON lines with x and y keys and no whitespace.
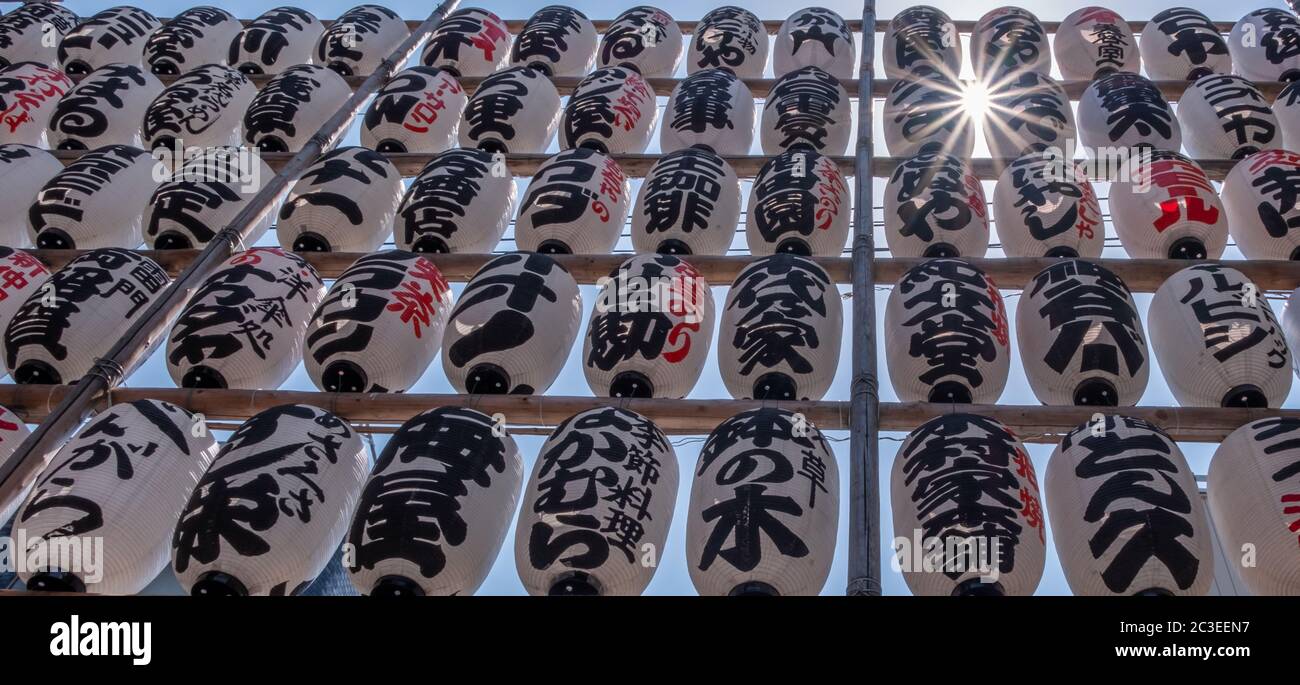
{"x":864,"y":407}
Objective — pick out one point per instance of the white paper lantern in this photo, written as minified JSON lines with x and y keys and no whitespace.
{"x":458,"y":203}
{"x":21,"y":274}
{"x":196,"y":37}
{"x":269,"y":512}
{"x":380,"y":325}
{"x":1181,"y":44}
{"x":575,"y":203}
{"x":1124,"y":110}
{"x":1263,"y":45}
{"x":946,"y":334}
{"x":515,"y":111}
{"x":346,"y":201}
{"x":729,"y":38}
{"x":205,"y":196}
{"x":935,"y":207}
{"x":1259,"y":198}
{"x":436,"y":509}
{"x":921,"y":39}
{"x":799,"y":204}
{"x":1226,"y":117}
{"x":292,"y":106}
{"x":53,"y":340}
{"x":104,"y":108}
{"x":581,"y":534}
{"x":1044,"y":207}
{"x":26,"y":32}
{"x":12,"y":433}
{"x":1028,"y":112}
{"x":1127,"y":517}
{"x":643,"y":38}
{"x":1286,"y":109}
{"x":469,"y":43}
{"x":557,"y":41}
{"x":24,"y":170}
{"x":122,"y":482}
{"x":1093,"y":41}
{"x":96,"y":201}
{"x":114,"y":36}
{"x":203,"y":108}
{"x":689,"y":203}
{"x":29,"y":92}
{"x":712,"y":109}
{"x":278,"y":39}
{"x":927,"y":112}
{"x":361,"y":38}
{"x":780,"y":331}
{"x":1252,"y":495}
{"x":512,"y":327}
{"x":1080,"y":337}
{"x":417,"y":111}
{"x":612,"y":110}
{"x":764,"y":507}
{"x":1217,"y":341}
{"x":806,"y":108}
{"x":968,"y":516}
{"x":244,"y":326}
{"x":1167,"y":208}
{"x":814,"y":37}
{"x":650,"y":329}
{"x":1007,"y":40}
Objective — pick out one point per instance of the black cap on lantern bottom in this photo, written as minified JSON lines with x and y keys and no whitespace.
{"x":218,"y":584}
{"x":343,"y":376}
{"x":1245,"y":151}
{"x":974,"y":587}
{"x":949,"y":391}
{"x":54,"y":239}
{"x":753,"y":588}
{"x":272,"y":144}
{"x":171,"y":240}
{"x":308,"y":241}
{"x":396,"y":586}
{"x":340,"y":68}
{"x":596,"y":145}
{"x":492,"y":146}
{"x":1245,"y":396}
{"x":390,"y":146}
{"x":775,"y":386}
{"x":249,"y":69}
{"x":795,"y":246}
{"x":575,"y":584}
{"x":1153,"y":592}
{"x":1287,"y":76}
{"x":1062,"y":251}
{"x":554,"y":247}
{"x":448,"y":69}
{"x":203,"y":377}
{"x":631,"y":384}
{"x":430,"y":244}
{"x":56,"y":581}
{"x":1187,"y":248}
{"x":1096,"y":392}
{"x":543,"y":67}
{"x":77,"y":68}
{"x":487,"y":379}
{"x":71,"y":144}
{"x":673,"y":246}
{"x":1198,"y":72}
{"x":166,"y":69}
{"x":36,"y":372}
{"x":164,"y":143}
{"x":1295,"y":254}
{"x":938,"y":250}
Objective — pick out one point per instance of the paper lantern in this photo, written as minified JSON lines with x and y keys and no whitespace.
{"x":462,"y":201}
{"x":1286,"y":109}
{"x":612,"y":110}
{"x":1080,"y":337}
{"x":1217,"y":341}
{"x":292,"y":106}
{"x":968,"y":516}
{"x":32,"y":32}
{"x":711,"y":109}
{"x":1127,"y":517}
{"x":806,"y":108}
{"x":1181,"y":44}
{"x":12,"y":433}
{"x":204,"y":197}
{"x":358,"y":42}
{"x":1259,"y":197}
{"x":104,"y":108}
{"x":1226,"y":117}
{"x":436,"y":509}
{"x":921,"y":39}
{"x":24,"y":170}
{"x":1166,"y":207}
{"x":469,"y":43}
{"x":203,"y":108}
{"x":575,"y":203}
{"x":814,"y":37}
{"x":1252,"y":494}
{"x":946,"y":334}
{"x":512,"y":327}
{"x":60,"y":329}
{"x":515,"y":110}
{"x":21,"y":274}
{"x":927,"y":112}
{"x":1044,"y":207}
{"x":29,"y":93}
{"x":799,"y":204}
{"x":582,"y":534}
{"x":278,"y":39}
{"x":780,"y":331}
{"x":380,"y":325}
{"x":557,"y":41}
{"x":764,"y":507}
{"x":96,"y":201}
{"x":244,"y":326}
{"x":121,"y":481}
{"x":1092,"y":42}
{"x":269,"y":512}
{"x":1124,"y":110}
{"x":417,"y":111}
{"x":729,"y":38}
{"x":116,"y":35}
{"x":196,"y":37}
{"x":1263,"y":45}
{"x":934,"y":207}
{"x":650,"y":329}
{"x":1028,"y":112}
{"x":689,"y":203}
{"x":1007,"y":40}
{"x":645,"y":39}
